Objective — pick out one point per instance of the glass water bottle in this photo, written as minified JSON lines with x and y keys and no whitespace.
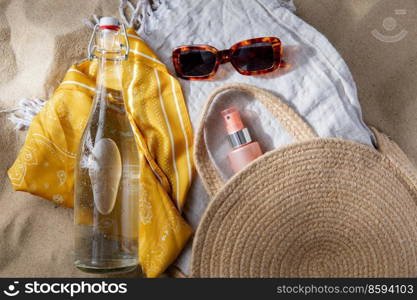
{"x":107,"y":170}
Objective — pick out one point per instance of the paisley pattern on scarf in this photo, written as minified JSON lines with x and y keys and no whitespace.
{"x":162,"y":129}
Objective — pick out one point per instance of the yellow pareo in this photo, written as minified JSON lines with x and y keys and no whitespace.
{"x":163,"y":134}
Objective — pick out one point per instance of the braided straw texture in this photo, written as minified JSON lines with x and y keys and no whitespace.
{"x":316,"y":208}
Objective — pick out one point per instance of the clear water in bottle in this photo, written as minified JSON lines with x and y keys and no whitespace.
{"x":107,"y":172}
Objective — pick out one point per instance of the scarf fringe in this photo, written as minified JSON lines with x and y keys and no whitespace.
{"x":22,"y":115}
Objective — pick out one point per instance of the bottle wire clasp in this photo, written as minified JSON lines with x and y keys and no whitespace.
{"x":92,"y":47}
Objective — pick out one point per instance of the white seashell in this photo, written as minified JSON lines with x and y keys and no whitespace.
{"x":105,"y":170}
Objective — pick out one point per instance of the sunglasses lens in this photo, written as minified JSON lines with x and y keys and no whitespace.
{"x":196,"y":63}
{"x":255,"y":57}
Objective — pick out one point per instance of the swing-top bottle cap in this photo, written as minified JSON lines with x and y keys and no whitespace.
{"x":106,"y":38}
{"x":109,"y":23}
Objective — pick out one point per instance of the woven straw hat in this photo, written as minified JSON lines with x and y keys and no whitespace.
{"x":316,"y":208}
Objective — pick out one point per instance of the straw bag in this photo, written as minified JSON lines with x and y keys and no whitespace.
{"x":316,"y":208}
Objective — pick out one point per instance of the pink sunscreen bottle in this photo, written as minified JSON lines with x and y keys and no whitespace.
{"x":245,"y":149}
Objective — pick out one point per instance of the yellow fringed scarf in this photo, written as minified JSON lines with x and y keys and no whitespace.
{"x":163,"y":133}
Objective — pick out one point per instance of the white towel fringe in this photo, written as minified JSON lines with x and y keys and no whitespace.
{"x":22,"y":115}
{"x":139,"y":12}
{"x":134,"y":8}
{"x":131,"y":14}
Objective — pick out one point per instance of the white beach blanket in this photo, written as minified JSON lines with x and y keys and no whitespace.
{"x":318,"y":83}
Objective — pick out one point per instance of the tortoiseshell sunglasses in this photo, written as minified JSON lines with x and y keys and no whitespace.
{"x":249,"y":57}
